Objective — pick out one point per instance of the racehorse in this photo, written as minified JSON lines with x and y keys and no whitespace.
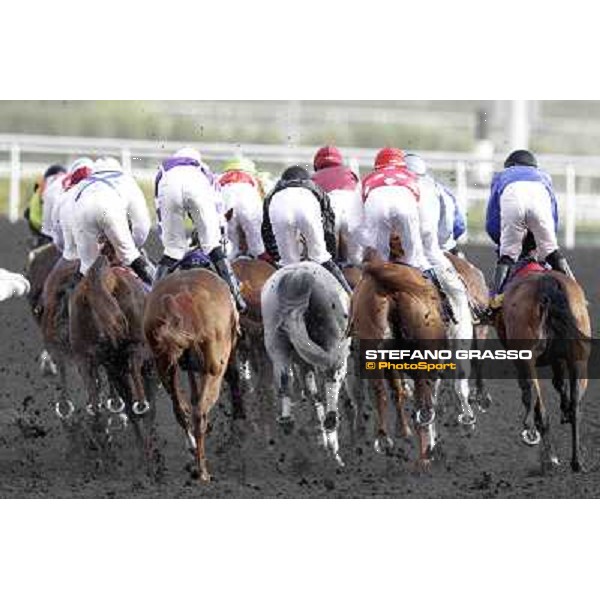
{"x":305,"y":315}
{"x":55,"y":326}
{"x":105,"y":330}
{"x":40,"y":263}
{"x":546,"y":312}
{"x":252,"y":275}
{"x":396,"y":301}
{"x":190,"y":315}
{"x":478,"y":293}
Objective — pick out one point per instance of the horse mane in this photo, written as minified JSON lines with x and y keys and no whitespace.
{"x":106,"y":312}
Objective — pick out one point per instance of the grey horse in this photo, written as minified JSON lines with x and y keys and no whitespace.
{"x":305,"y":315}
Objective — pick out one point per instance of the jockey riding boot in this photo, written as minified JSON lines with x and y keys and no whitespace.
{"x":500,"y":277}
{"x":559,"y":263}
{"x":448,"y":315}
{"x":143,"y":269}
{"x":225,"y":272}
{"x":164,"y":265}
{"x":337,"y":273}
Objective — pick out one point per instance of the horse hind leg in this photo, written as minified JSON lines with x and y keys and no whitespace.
{"x":559,"y":383}
{"x":400,"y":395}
{"x":383,"y":442}
{"x":530,"y":434}
{"x":578,"y":385}
{"x":542,"y":421}
{"x":331,"y":421}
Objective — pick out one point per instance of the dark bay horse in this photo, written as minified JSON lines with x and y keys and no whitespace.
{"x":105,"y":331}
{"x":55,"y":326}
{"x":396,"y":301}
{"x":547,"y":314}
{"x":40,"y":263}
{"x":191,"y":312}
{"x":251,"y":353}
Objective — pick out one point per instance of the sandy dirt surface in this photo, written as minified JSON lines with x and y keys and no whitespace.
{"x":38,"y":458}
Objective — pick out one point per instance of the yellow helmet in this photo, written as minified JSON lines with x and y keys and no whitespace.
{"x":240,"y":163}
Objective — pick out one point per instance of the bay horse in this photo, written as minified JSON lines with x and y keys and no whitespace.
{"x":105,"y":330}
{"x":252,"y":355}
{"x":305,"y":315}
{"x":40,"y":263}
{"x":546,"y":312}
{"x":395,"y":301}
{"x":191,"y":313}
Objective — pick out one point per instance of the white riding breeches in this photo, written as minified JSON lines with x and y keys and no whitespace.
{"x":184,"y":191}
{"x":526,"y":205}
{"x":295,"y":211}
{"x":393,"y":210}
{"x":348,"y":208}
{"x":243,"y":199}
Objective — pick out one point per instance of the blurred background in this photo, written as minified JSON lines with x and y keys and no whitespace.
{"x":463,"y":141}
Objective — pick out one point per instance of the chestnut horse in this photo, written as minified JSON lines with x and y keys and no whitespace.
{"x":396,"y":301}
{"x":191,"y":312}
{"x":105,"y":326}
{"x":547,"y":314}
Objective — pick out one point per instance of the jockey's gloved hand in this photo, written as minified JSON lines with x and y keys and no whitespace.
{"x":143,"y":269}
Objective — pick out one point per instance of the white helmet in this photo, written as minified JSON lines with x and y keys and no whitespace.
{"x":80,"y":163}
{"x":188,"y":152}
{"x":416,"y":164}
{"x":107,"y":163}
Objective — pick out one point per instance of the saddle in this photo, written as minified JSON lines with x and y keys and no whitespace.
{"x":525,"y":267}
{"x":193,"y":259}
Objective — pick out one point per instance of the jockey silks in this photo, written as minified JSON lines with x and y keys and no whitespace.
{"x":327,"y":215}
{"x":182,"y":161}
{"x":390,"y":176}
{"x":501,"y":181}
{"x":336,"y":178}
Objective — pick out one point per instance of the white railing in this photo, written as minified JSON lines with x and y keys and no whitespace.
{"x":24,"y":156}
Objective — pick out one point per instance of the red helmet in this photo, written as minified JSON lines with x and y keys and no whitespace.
{"x":390,"y":157}
{"x":328,"y":156}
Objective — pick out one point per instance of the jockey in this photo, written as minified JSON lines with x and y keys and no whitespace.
{"x":296,"y":206}
{"x":343,"y":187}
{"x":51,"y":190}
{"x":241,"y":192}
{"x":522,"y":198}
{"x":105,"y":204}
{"x":443,"y":272}
{"x":34,"y":213}
{"x":62,"y":212}
{"x":186,"y":186}
{"x":451,"y":224}
{"x":12,"y":284}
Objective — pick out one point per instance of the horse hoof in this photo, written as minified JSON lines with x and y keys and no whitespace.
{"x":467,"y":420}
{"x":330,"y":422}
{"x":383,"y":444}
{"x":425,"y":417}
{"x":115,"y":406}
{"x":91,"y":410}
{"x":286,"y":424}
{"x":531,"y":437}
{"x":64,"y":414}
{"x":338,"y":460}
{"x":119,"y":421}
{"x":47,"y":365}
{"x":140,"y":408}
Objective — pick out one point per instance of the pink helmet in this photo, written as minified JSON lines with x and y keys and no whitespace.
{"x":390,"y":157}
{"x":328,"y":156}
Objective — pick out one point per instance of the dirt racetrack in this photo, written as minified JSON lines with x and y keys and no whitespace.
{"x":491,"y":462}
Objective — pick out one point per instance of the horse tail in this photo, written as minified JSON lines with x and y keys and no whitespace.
{"x":172,"y":336}
{"x":308,"y":350}
{"x":555,"y":311}
{"x":295,"y":295}
{"x":106,"y":312}
{"x":389,"y":280}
